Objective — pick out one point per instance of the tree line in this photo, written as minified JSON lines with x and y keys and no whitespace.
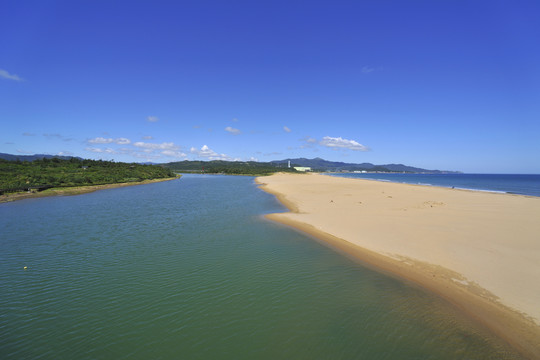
{"x":55,"y":172}
{"x":228,"y":167}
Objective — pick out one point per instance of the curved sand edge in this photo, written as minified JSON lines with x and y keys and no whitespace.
{"x":299,"y":194}
{"x":75,"y":190}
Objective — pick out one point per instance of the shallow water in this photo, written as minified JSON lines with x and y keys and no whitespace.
{"x":190,"y":269}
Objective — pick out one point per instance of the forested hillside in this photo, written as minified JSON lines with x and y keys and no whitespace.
{"x":46,"y":173}
{"x":227,"y":167}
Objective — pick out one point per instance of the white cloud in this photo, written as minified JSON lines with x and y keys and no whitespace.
{"x":152,"y":118}
{"x":153,"y":146}
{"x":65,"y":153}
{"x":99,"y":150}
{"x":57,"y":136}
{"x":101,"y":140}
{"x":338,"y":142}
{"x":309,"y":142}
{"x":286,"y":129}
{"x":147,"y":137}
{"x":28,"y":134}
{"x":367,"y":69}
{"x":4,"y":74}
{"x":232,"y":130}
{"x":174,"y":154}
{"x":206,"y":152}
{"x":122,"y":141}
{"x":146,"y":157}
{"x":371,"y":69}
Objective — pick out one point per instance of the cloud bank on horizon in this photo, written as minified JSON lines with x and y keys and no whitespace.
{"x":160,"y":151}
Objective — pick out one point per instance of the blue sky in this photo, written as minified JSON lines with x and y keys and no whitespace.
{"x":451,"y":85}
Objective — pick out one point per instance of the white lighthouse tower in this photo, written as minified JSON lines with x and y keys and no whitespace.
{"x":289,"y":166}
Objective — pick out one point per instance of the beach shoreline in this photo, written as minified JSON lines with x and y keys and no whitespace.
{"x":457,"y":244}
{"x":75,"y":190}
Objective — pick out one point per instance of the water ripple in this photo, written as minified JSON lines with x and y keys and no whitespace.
{"x":188,"y":269}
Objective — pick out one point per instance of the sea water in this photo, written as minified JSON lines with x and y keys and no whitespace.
{"x":522,"y":184}
{"x":189,"y":269}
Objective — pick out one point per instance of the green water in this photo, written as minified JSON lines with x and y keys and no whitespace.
{"x":189,"y":269}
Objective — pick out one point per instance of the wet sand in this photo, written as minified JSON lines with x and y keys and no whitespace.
{"x":478,"y":250}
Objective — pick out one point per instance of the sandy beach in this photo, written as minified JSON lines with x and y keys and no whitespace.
{"x":478,"y":250}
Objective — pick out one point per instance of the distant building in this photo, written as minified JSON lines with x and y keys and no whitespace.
{"x":302,"y":168}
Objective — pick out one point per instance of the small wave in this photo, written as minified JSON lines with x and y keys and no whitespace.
{"x":482,"y":190}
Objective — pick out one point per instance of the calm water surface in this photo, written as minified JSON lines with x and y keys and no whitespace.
{"x":189,"y":269}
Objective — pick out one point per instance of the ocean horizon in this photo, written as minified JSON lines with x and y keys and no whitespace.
{"x":519,"y":184}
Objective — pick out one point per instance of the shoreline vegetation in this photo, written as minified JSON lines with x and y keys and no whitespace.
{"x":222,"y":167}
{"x":479,"y":251}
{"x":56,"y":176}
{"x":75,"y":190}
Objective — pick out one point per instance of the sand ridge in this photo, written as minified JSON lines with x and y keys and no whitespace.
{"x":479,"y":250}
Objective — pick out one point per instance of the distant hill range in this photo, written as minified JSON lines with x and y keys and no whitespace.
{"x":316,"y":164}
{"x":319,"y":164}
{"x":11,"y":157}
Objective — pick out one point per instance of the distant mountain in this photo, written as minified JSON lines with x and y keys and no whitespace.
{"x":11,"y":157}
{"x":316,"y":164}
{"x":325,"y":165}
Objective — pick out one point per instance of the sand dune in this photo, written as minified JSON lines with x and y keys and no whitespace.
{"x":479,"y":250}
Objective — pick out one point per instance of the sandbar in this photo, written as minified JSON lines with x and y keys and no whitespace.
{"x":478,"y":250}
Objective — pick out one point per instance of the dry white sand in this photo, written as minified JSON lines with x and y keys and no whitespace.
{"x":479,"y":250}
